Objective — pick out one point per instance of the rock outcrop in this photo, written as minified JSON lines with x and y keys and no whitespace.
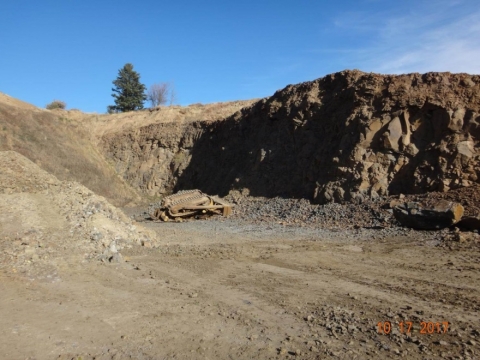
{"x":345,"y":137}
{"x":443,"y":214}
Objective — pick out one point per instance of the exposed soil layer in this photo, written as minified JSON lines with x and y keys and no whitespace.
{"x":349,"y":136}
{"x":64,"y":142}
{"x":149,"y":148}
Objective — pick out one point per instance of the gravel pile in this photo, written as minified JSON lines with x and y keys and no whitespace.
{"x":102,"y":230}
{"x":302,"y":212}
{"x":374,"y":214}
{"x":43,"y":219}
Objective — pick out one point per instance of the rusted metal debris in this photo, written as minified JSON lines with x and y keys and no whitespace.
{"x":190,"y":203}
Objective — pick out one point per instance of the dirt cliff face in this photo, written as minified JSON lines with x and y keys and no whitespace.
{"x":152,"y":158}
{"x":344,"y":137}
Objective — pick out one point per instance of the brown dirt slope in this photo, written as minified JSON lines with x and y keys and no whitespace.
{"x":59,"y":143}
{"x":347,"y":136}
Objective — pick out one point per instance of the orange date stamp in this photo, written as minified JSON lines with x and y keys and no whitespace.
{"x":407,"y":327}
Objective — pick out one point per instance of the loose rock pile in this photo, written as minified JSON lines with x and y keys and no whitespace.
{"x":468,"y":197}
{"x":43,"y":219}
{"x":373,"y":214}
{"x":301,"y":212}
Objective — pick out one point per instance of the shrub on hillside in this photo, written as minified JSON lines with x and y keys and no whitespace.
{"x":161,"y":94}
{"x":56,"y":104}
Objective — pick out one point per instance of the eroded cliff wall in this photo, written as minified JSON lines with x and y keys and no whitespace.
{"x":344,"y":137}
{"x":153,"y":157}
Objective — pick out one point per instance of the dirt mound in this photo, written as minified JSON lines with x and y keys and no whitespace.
{"x":348,"y":136}
{"x":44,"y":221}
{"x":468,"y":197}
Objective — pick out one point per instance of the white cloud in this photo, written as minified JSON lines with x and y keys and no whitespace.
{"x":446,"y":38}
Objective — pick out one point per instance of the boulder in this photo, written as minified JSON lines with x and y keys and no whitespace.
{"x":469,"y":223}
{"x":466,"y":148}
{"x":441,"y":215}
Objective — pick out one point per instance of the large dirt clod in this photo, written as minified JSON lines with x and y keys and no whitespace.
{"x":443,"y":214}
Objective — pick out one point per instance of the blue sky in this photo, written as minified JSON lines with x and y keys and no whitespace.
{"x":216,"y":50}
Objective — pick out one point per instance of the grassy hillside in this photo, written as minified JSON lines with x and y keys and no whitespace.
{"x":59,"y":143}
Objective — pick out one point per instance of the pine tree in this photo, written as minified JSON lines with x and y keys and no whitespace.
{"x":129,"y":92}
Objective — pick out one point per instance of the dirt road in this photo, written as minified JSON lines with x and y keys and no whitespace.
{"x":229,"y":289}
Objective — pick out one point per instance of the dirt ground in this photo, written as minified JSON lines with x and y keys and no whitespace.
{"x":230,"y":289}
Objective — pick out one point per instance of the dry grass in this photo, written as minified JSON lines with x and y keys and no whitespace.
{"x":100,"y":125}
{"x":60,"y":145}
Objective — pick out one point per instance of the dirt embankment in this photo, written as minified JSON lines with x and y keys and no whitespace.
{"x":345,"y":137}
{"x":60,"y":143}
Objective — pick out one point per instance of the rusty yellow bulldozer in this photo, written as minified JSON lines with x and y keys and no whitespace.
{"x":190,"y":203}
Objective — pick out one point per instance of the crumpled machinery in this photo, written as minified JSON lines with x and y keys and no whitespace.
{"x":190,"y":203}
